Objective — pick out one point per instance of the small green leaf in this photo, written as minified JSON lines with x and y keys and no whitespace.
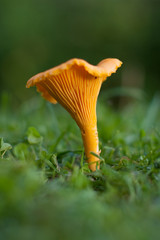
{"x":54,"y":160}
{"x":34,"y":136}
{"x":96,"y":155}
{"x":4,"y":147}
{"x":142,"y":134}
{"x":21,"y":151}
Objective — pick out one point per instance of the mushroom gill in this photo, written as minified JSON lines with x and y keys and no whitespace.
{"x":76,"y":85}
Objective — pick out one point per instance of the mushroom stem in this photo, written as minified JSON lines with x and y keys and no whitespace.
{"x":91,"y":144}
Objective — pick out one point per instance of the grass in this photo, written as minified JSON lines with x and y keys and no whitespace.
{"x":46,"y":189}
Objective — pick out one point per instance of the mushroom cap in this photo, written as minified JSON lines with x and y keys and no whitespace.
{"x":103,"y":69}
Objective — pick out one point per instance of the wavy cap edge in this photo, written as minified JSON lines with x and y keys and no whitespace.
{"x":103,"y":69}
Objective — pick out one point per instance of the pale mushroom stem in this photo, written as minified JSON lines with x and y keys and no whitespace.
{"x":91,"y":144}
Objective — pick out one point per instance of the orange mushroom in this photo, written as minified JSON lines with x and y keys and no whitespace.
{"x":76,"y":85}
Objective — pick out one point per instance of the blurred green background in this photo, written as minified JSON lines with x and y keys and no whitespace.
{"x":39,"y":34}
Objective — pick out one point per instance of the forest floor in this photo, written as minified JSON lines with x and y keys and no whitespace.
{"x":48,"y":192}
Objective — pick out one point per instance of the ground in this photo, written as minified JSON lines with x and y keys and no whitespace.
{"x":48,"y":192}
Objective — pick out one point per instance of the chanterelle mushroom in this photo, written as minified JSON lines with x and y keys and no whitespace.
{"x":76,"y":85}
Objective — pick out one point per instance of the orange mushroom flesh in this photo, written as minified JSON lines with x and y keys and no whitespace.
{"x":76,"y":85}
